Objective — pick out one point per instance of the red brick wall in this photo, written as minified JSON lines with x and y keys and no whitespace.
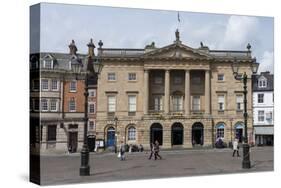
{"x":78,"y":96}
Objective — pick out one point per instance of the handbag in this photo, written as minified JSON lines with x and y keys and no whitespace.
{"x":119,"y":154}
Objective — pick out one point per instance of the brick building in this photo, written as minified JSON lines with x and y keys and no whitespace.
{"x":57,"y":101}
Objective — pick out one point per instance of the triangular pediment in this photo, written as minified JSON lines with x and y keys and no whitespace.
{"x":177,"y":50}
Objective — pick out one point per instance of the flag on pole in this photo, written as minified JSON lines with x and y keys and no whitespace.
{"x":179,"y":17}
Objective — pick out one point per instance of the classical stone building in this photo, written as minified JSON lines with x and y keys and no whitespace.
{"x":181,"y":96}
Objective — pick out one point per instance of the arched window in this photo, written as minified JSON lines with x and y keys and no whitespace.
{"x":239,"y":127}
{"x":220,"y":130}
{"x":34,"y":62}
{"x":132,"y":133}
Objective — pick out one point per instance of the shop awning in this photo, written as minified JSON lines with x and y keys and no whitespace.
{"x":264,"y":130}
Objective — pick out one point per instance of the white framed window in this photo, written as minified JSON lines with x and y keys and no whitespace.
{"x":239,"y":102}
{"x":158,"y":103}
{"x":55,"y":85}
{"x":44,"y":105}
{"x":132,"y":76}
{"x":48,"y":64}
{"x":92,"y":93}
{"x":177,"y":103}
{"x":35,"y":85}
{"x":132,"y":103}
{"x":132,"y":133}
{"x":196,"y":103}
{"x":111,"y":102}
{"x":260,"y":98}
{"x":158,"y":80}
{"x":72,"y":105}
{"x":220,"y":77}
{"x":177,"y":80}
{"x":45,"y":84}
{"x":221,"y":101}
{"x":53,"y":105}
{"x":261,"y":115}
{"x":111,"y":76}
{"x":92,"y":108}
{"x":73,"y":86}
{"x":262,"y":82}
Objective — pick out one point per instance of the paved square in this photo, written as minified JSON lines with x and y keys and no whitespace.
{"x":107,"y":167}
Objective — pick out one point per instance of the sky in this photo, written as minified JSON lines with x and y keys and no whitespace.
{"x":135,"y":28}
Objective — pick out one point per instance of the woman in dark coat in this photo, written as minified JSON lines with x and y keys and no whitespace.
{"x":156,"y":150}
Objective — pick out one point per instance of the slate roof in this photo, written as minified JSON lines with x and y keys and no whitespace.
{"x":61,"y":62}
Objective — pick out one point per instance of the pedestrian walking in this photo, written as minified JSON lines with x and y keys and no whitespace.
{"x":122,"y":151}
{"x":151,"y":150}
{"x":235,"y":147}
{"x":157,"y":150}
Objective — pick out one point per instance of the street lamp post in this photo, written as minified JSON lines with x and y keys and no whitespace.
{"x":115,"y":136}
{"x":94,"y":67}
{"x":246,"y":163}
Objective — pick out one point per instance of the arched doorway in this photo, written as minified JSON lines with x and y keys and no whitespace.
{"x":156,"y":133}
{"x":110,"y":136}
{"x":177,"y":134}
{"x":239,"y":127}
{"x":197,"y":134}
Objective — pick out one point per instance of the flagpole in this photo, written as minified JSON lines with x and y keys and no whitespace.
{"x":179,"y":20}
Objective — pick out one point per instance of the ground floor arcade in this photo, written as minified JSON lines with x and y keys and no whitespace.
{"x":180,"y":133}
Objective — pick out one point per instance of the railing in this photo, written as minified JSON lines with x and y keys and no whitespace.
{"x":119,"y":52}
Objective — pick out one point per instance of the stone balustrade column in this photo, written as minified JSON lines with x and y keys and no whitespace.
{"x":167,"y":92}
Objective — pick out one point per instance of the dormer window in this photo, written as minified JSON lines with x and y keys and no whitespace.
{"x":262,"y":82}
{"x":48,"y":64}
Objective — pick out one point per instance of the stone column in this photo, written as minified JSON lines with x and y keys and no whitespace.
{"x":146,"y":91}
{"x":167,"y":92}
{"x":207,"y":92}
{"x":187,"y":135}
{"x":187,"y":93}
{"x":166,"y":135}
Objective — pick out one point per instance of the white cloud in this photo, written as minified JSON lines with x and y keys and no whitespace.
{"x":267,"y":62}
{"x":239,"y":31}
